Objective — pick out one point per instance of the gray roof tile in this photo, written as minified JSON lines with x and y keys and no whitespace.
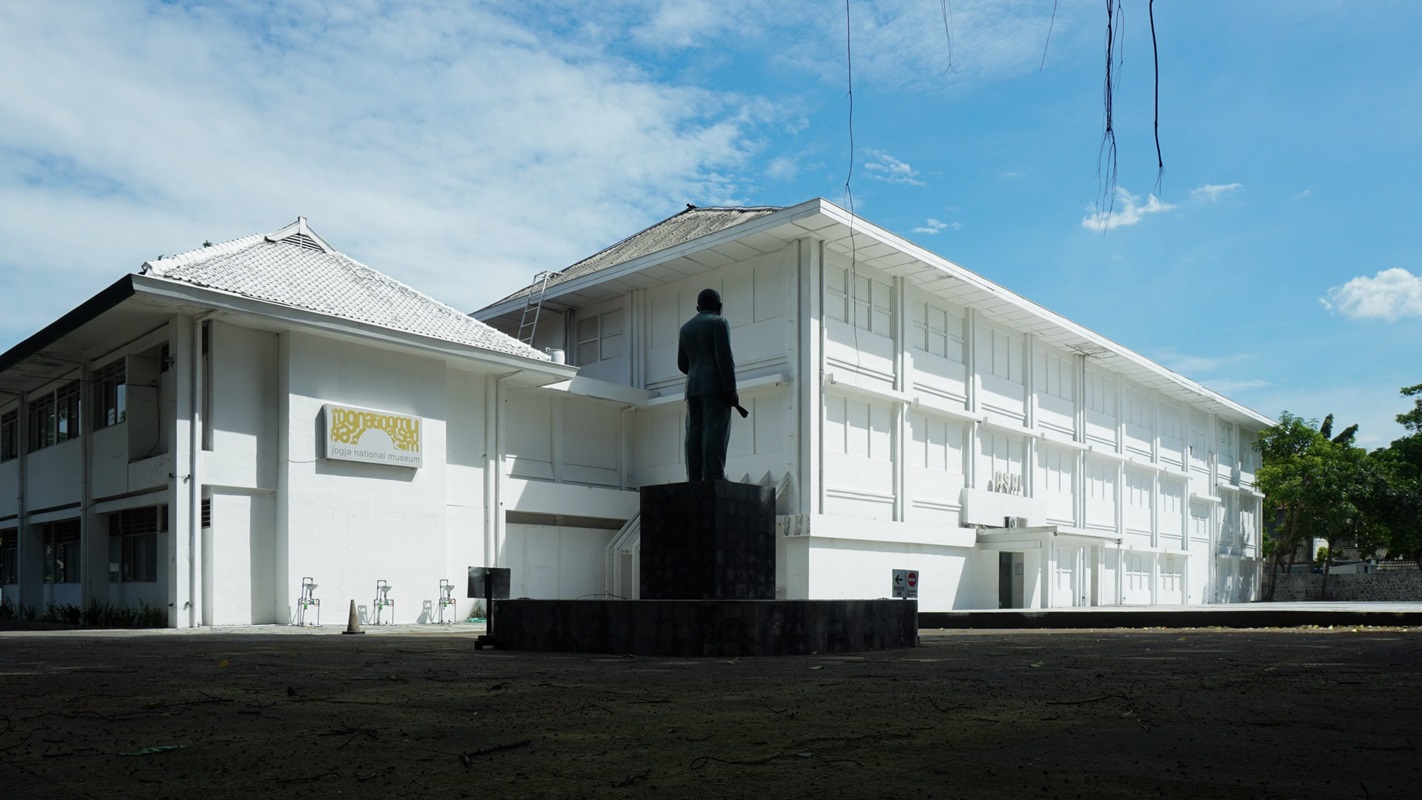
{"x":693,"y":223}
{"x":300,"y":271}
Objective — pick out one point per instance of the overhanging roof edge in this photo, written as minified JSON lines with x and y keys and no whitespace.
{"x":117,"y":292}
{"x":769,"y":221}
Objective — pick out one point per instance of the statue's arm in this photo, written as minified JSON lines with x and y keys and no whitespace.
{"x":725,"y":362}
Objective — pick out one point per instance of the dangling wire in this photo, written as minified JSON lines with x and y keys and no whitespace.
{"x":1155,"y":52}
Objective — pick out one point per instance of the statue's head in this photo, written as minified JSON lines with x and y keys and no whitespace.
{"x":709,"y":300}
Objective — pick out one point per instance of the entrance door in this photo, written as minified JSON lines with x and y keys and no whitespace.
{"x":1010,"y":580}
{"x":1066,"y":593}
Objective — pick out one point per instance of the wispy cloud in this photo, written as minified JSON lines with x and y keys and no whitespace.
{"x":932,"y":226}
{"x":886,"y":168}
{"x":429,"y":140}
{"x":1128,"y":210}
{"x":1389,"y":295}
{"x":1211,"y":192}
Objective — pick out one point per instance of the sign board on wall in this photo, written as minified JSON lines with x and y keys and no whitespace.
{"x":374,"y":437}
{"x":906,"y":584}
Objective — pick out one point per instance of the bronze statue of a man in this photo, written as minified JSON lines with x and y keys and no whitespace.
{"x":703,"y":353}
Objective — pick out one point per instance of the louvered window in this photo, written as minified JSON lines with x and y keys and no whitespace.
{"x":302,"y":240}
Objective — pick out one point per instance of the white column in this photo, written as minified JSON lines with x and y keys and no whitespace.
{"x":183,"y":576}
{"x":806,"y":432}
{"x":902,"y":363}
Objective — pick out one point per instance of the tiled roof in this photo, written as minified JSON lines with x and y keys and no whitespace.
{"x":296,"y":268}
{"x":693,"y":223}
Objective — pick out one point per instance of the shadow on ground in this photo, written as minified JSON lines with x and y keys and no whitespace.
{"x":1088,"y":713}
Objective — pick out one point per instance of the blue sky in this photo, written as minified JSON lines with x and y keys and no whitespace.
{"x":462,"y":147}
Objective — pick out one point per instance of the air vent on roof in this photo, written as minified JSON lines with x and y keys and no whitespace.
{"x":302,"y":240}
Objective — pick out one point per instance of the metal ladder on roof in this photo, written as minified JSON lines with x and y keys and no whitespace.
{"x":533,"y":308}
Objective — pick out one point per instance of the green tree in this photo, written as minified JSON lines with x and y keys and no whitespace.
{"x":1316,"y":486}
{"x":1288,"y":476}
{"x":1401,"y":508}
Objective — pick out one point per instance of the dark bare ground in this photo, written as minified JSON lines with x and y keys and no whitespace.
{"x":1092,"y":713}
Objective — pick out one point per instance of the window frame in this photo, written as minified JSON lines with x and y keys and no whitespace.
{"x":62,"y":553}
{"x":10,"y":435}
{"x":110,"y":394}
{"x":133,"y":543}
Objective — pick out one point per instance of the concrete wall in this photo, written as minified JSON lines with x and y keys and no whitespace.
{"x":349,"y":524}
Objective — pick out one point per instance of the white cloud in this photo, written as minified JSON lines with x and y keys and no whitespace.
{"x":906,"y":43}
{"x":452,"y":146}
{"x":888,"y":169}
{"x":782,"y":168}
{"x":931,"y":226}
{"x":1211,"y":192}
{"x":1128,"y":210}
{"x":1389,"y":295}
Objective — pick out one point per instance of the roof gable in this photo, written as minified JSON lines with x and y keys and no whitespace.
{"x":296,"y":267}
{"x":684,"y":226}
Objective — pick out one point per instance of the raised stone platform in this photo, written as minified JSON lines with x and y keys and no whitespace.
{"x":720,"y":628}
{"x":709,"y":540}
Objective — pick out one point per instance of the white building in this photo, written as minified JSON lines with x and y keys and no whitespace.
{"x":209,"y":433}
{"x":167,"y":442}
{"x":912,"y":414}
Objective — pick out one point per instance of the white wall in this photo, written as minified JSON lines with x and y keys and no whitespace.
{"x":550,"y":562}
{"x":348,"y":524}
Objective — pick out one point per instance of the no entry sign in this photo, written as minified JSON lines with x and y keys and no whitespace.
{"x":906,"y":584}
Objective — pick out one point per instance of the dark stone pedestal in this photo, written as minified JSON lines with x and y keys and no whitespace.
{"x":708,"y":589}
{"x":709,"y":540}
{"x":708,"y":628}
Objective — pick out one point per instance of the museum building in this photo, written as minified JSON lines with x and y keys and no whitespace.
{"x":239,"y":431}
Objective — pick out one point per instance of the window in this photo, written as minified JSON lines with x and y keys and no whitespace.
{"x":110,"y":395}
{"x":66,"y":407}
{"x":41,"y":423}
{"x":938,"y":331}
{"x":61,"y":551}
{"x":600,"y":337}
{"x":1000,"y":354}
{"x":54,"y":417}
{"x":133,"y":543}
{"x":1100,"y":393}
{"x":864,"y":303}
{"x":9,"y":435}
{"x":1056,"y":376}
{"x":9,"y":556}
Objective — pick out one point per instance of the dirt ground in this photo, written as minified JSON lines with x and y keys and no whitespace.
{"x":969,"y":714}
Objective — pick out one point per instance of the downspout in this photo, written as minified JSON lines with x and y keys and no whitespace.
{"x":491,"y":465}
{"x":194,"y":473}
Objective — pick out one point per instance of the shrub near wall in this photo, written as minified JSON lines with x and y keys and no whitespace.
{"x":1383,"y":586}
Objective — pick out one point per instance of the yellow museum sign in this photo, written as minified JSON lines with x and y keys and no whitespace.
{"x":374,"y":437}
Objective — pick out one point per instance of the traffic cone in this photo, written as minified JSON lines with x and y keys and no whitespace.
{"x":353,"y":622}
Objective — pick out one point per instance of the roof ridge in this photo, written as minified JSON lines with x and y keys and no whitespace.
{"x":162,"y":264}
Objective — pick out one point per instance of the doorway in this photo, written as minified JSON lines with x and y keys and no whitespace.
{"x":1009,"y":580}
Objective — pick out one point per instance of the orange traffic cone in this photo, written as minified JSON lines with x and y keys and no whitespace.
{"x":353,"y":623}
